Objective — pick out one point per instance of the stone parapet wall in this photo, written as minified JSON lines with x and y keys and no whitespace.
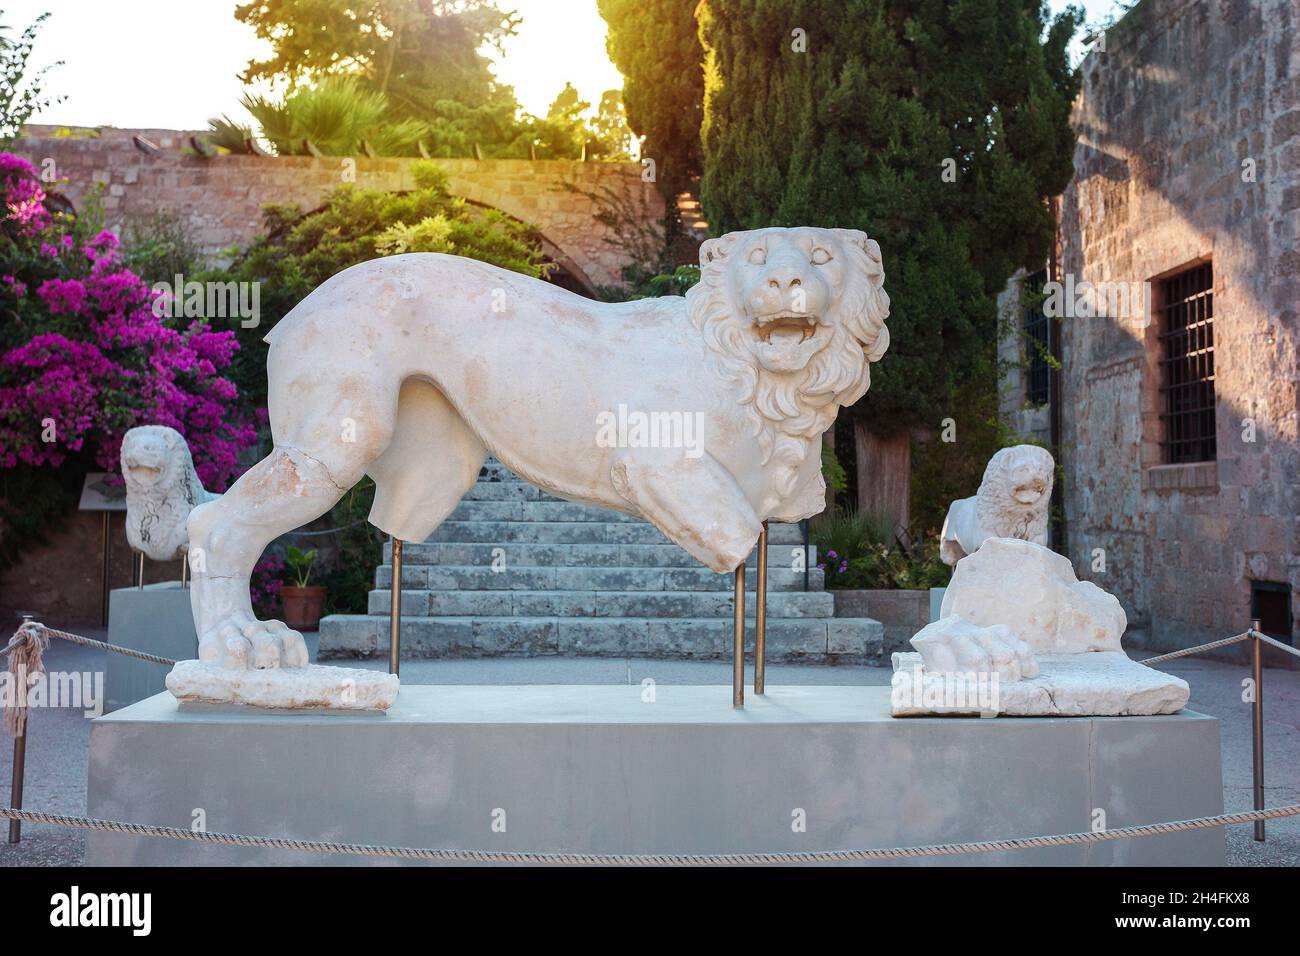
{"x":219,"y":199}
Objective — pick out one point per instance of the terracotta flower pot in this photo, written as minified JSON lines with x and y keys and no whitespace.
{"x":302,"y":607}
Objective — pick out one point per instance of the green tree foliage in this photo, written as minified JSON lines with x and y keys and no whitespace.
{"x":404,"y":77}
{"x":21,"y":91}
{"x":415,"y":52}
{"x":300,"y":251}
{"x":395,"y":73}
{"x":850,"y":112}
{"x":655,"y":45}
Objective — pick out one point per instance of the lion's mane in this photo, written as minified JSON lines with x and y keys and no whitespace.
{"x":999,"y":512}
{"x":156,"y":513}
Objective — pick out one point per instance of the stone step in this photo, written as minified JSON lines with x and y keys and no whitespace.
{"x":856,"y":640}
{"x":525,"y":510}
{"x":574,"y":532}
{"x":516,"y":554}
{"x":572,"y":603}
{"x":482,"y":577}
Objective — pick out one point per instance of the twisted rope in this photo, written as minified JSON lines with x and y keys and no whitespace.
{"x":30,"y":628}
{"x":1278,"y":644}
{"x":645,"y":859}
{"x":1214,"y":645}
{"x":1244,"y":636}
{"x":26,"y":649}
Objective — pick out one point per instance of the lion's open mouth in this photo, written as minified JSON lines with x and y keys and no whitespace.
{"x":785,"y":324}
{"x":146,"y":474}
{"x":1028,"y":494}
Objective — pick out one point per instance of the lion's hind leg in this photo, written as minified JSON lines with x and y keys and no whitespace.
{"x":432,"y":460}
{"x":324,"y":440}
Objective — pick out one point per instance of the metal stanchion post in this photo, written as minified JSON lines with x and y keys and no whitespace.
{"x":106,"y":547}
{"x":738,"y":641}
{"x":16,"y":787}
{"x":1257,"y":723}
{"x":395,"y":612}
{"x":19,"y":768}
{"x":139,"y":570}
{"x":760,"y":615}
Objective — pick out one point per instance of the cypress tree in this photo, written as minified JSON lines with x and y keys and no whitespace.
{"x":938,"y":127}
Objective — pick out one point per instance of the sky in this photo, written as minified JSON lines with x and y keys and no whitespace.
{"x":172,"y":64}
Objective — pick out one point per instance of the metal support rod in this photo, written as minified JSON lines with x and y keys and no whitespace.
{"x":1257,"y":723}
{"x":19,"y":766}
{"x":106,"y":547}
{"x":738,"y":642}
{"x":139,"y":570}
{"x":16,"y":786}
{"x":760,"y":615}
{"x":185,"y":570}
{"x":395,"y":612}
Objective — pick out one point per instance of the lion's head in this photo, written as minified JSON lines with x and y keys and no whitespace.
{"x":161,"y":489}
{"x":795,"y":317}
{"x":1013,"y":498}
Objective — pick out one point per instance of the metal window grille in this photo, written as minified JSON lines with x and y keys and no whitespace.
{"x":1038,"y":343}
{"x":1186,"y":307}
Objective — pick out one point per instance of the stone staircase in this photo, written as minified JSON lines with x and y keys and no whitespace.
{"x":515,"y":571}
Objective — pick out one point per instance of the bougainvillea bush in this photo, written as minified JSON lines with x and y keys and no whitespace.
{"x":85,"y":356}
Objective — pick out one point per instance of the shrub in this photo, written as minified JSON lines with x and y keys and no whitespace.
{"x":860,"y":550}
{"x":301,"y":250}
{"x":83,"y":358}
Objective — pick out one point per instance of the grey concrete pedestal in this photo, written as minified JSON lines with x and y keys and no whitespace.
{"x":155,"y":619}
{"x":603,"y":769}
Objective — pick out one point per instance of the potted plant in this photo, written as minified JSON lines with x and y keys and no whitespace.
{"x":303,"y":602}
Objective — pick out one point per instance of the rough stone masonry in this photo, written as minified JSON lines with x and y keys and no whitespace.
{"x":1188,"y":153}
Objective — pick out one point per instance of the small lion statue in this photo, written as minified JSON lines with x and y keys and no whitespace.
{"x":161,"y":491}
{"x":412,"y":368}
{"x":1012,"y":502}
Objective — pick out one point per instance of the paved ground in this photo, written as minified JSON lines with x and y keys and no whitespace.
{"x":58,"y":738}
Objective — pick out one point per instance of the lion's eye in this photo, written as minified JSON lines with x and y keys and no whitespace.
{"x":820,"y":257}
{"x":758,"y":256}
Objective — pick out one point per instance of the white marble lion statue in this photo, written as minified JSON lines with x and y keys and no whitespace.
{"x":412,"y":368}
{"x":161,"y":490}
{"x":1012,"y":502}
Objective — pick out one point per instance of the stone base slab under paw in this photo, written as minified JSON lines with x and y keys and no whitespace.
{"x":291,"y":688}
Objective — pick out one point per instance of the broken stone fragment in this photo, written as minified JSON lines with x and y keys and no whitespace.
{"x":1034,"y":592}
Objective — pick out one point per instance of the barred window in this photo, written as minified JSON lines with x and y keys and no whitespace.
{"x":1037,"y":342}
{"x":1186,"y":316}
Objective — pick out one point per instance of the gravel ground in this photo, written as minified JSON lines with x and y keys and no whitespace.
{"x":58,"y":738}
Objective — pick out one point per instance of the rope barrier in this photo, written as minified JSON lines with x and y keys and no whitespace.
{"x":647,"y":859}
{"x":1278,"y":644}
{"x":34,"y":635}
{"x":30,"y":630}
{"x":1243,"y":636}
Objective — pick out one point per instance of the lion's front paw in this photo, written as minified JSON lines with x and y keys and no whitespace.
{"x":244,"y":643}
{"x":953,"y":645}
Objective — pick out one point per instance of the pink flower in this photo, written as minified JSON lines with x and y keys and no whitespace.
{"x":115,"y":364}
{"x":62,"y":296}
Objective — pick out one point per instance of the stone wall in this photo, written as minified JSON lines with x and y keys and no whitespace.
{"x":1189,"y":150}
{"x":220,"y":198}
